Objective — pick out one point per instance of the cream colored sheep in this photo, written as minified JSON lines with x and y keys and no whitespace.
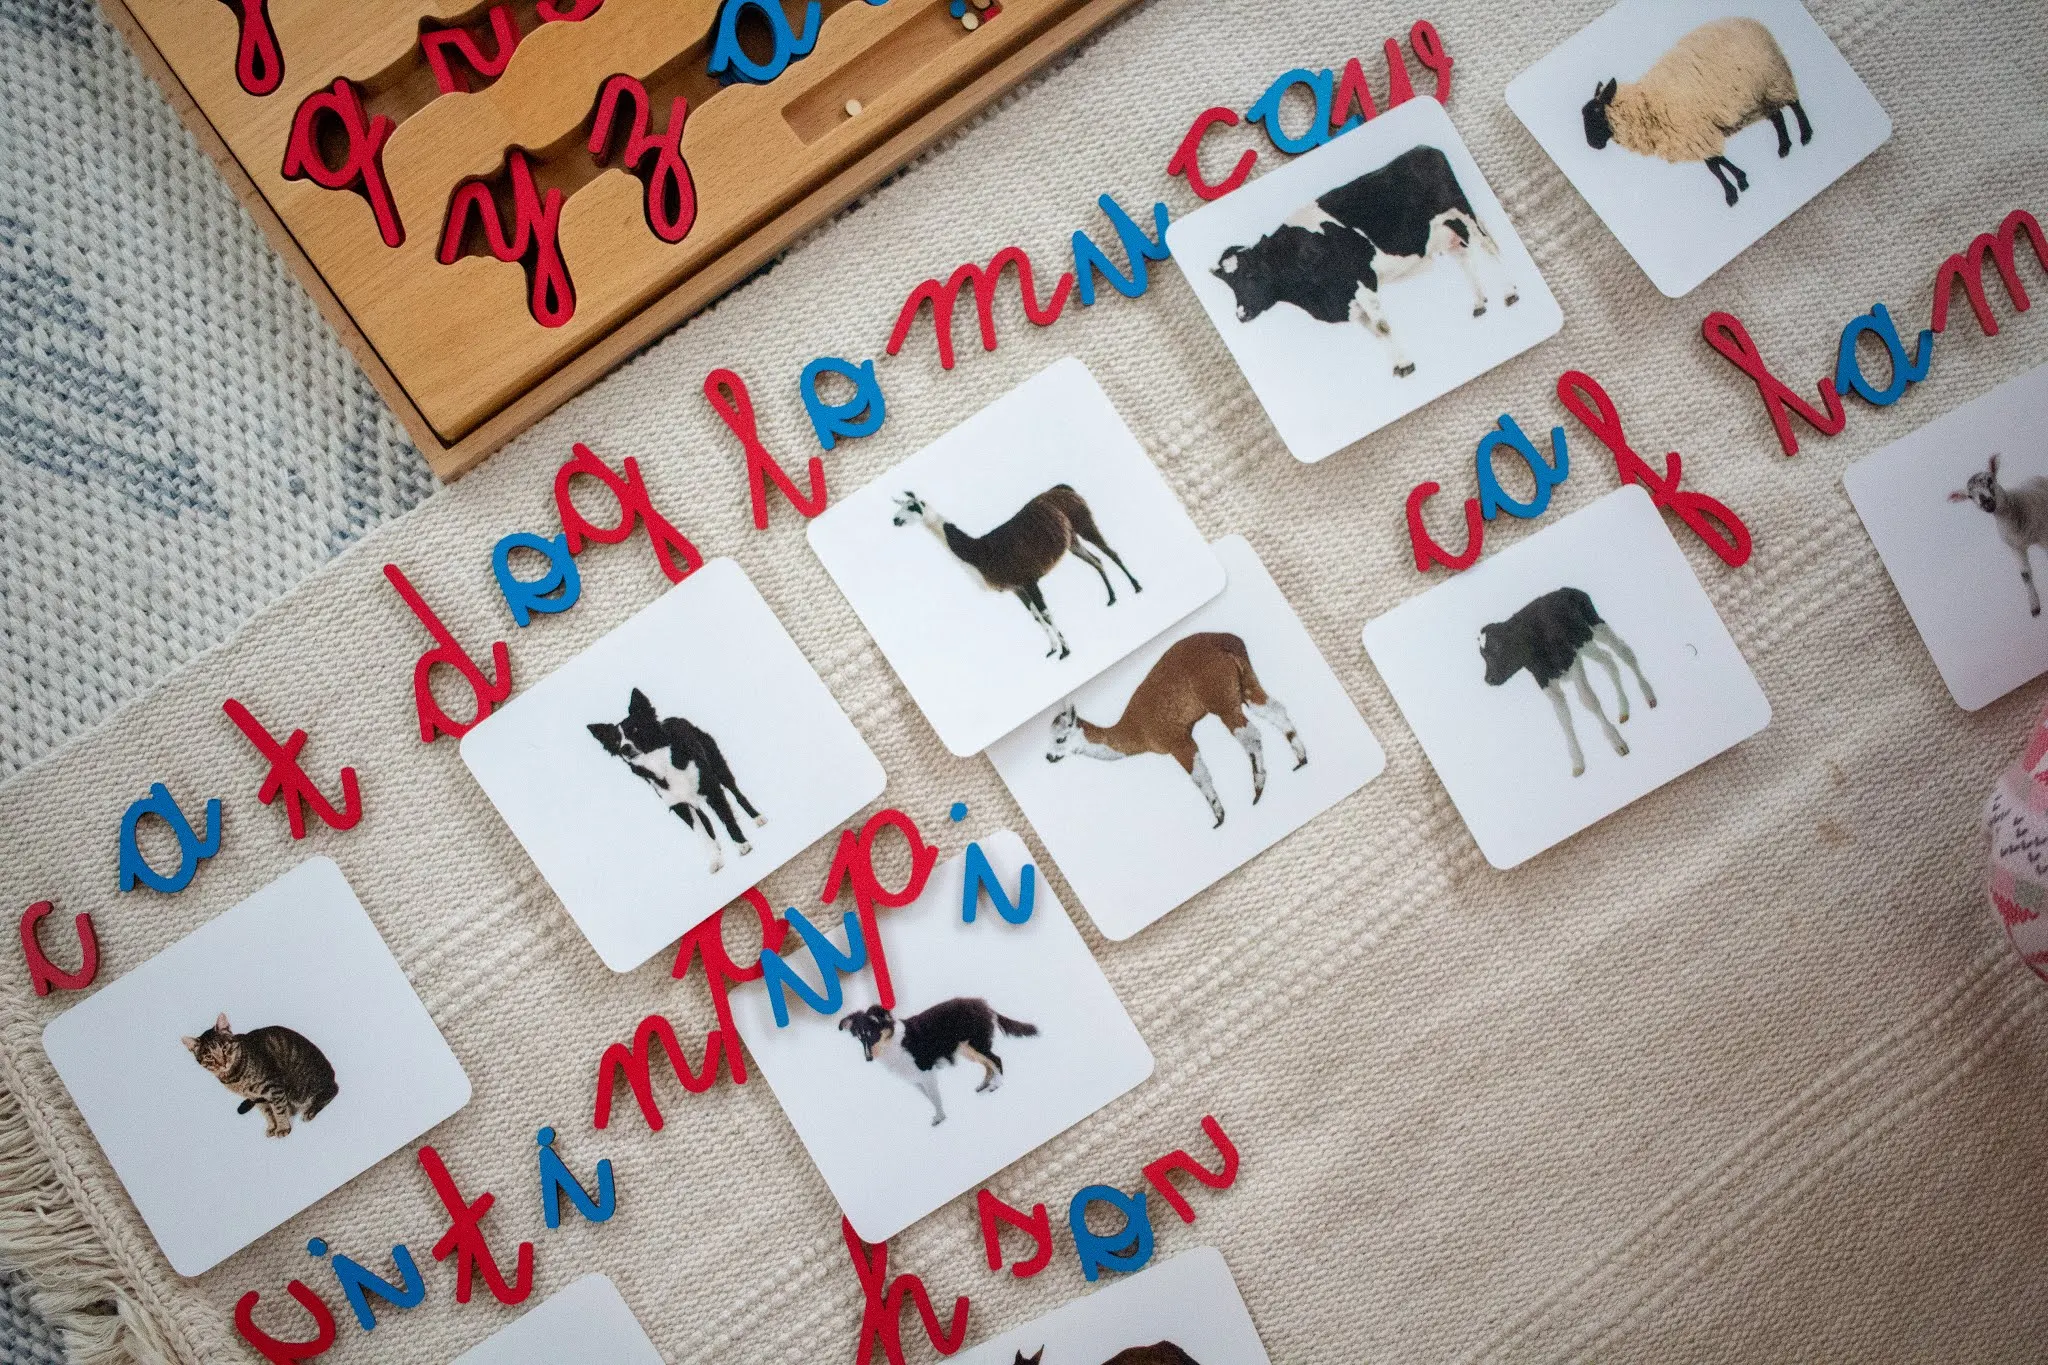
{"x":1715,"y":81}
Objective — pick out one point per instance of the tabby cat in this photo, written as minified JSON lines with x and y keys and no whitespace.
{"x":272,"y":1067}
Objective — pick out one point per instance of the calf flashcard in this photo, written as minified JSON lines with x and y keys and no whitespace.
{"x":1240,"y":735}
{"x":1694,"y":127}
{"x":1496,"y":670}
{"x":259,"y":1063}
{"x":587,"y":1320}
{"x":1004,"y":1034}
{"x":1186,"y":1311}
{"x":1016,"y":557}
{"x":673,"y":764}
{"x":1365,"y":278}
{"x":1957,"y":509}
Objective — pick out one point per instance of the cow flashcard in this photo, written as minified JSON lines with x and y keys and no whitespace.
{"x":1003,"y":1034}
{"x":1016,"y":557}
{"x":1201,"y":750}
{"x":259,"y":1063}
{"x":1959,"y":513}
{"x":586,"y":1320}
{"x":1566,"y":676}
{"x":672,"y":765}
{"x":1694,"y":128}
{"x":1186,"y":1311}
{"x":1365,"y":278}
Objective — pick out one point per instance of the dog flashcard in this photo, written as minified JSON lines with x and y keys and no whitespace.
{"x":1002,"y":1037}
{"x":672,"y":765}
{"x":1365,"y":278}
{"x":587,"y":1320}
{"x":259,"y":1063}
{"x":1694,"y":127}
{"x":1567,"y":676}
{"x":1959,"y":513}
{"x":1016,"y":557}
{"x":1186,"y":1311}
{"x":1236,"y":733}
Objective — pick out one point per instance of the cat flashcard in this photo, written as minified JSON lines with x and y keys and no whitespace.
{"x":1186,"y":1311}
{"x":1365,"y":278}
{"x":1207,"y":746}
{"x":1959,"y":513}
{"x":586,"y":1320}
{"x":1002,"y":1035}
{"x":1694,"y":127}
{"x":259,"y":1063}
{"x":672,"y":765}
{"x":1566,"y":676}
{"x":1016,"y":557}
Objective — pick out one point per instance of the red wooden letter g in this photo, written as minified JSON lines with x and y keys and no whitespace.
{"x":362,"y":164}
{"x":672,"y":549}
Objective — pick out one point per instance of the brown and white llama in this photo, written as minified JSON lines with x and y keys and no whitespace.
{"x":1159,"y":1353}
{"x":1015,"y":555}
{"x":1208,"y":674}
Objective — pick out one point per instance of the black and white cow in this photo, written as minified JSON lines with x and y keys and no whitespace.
{"x":1331,"y":258}
{"x":1552,"y":637}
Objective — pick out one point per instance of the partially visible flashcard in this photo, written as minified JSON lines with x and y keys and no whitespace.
{"x":260,"y":1062}
{"x":587,"y":1322}
{"x":672,"y":765}
{"x":1003,"y":1037}
{"x":1957,"y":510}
{"x":1566,"y":676}
{"x":1237,"y":734}
{"x":1694,"y":127}
{"x":1016,"y":557}
{"x":1185,"y":1311}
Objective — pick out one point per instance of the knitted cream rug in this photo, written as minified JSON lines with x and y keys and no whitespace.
{"x":1744,"y":1072}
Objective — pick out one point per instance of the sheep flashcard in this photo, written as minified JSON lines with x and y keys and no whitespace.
{"x":672,"y":765}
{"x":1004,"y":1033}
{"x":1694,"y":127}
{"x":256,"y":1065}
{"x":588,"y":1319}
{"x":1186,"y":1311}
{"x":1016,"y":557}
{"x":1959,"y":513}
{"x":1365,"y":278}
{"x":1186,"y":760}
{"x":1566,"y":676}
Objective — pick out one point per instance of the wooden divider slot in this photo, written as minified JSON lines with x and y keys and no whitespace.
{"x":872,"y":73}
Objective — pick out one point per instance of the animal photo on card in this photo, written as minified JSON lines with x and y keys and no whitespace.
{"x":1182,"y":1311}
{"x":685,"y":767}
{"x":271,"y":1068}
{"x":1365,"y":278}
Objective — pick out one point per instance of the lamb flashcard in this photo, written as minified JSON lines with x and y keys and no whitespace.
{"x":1183,"y":762}
{"x":1016,"y":557}
{"x":672,"y":765}
{"x":1567,"y":676}
{"x":259,"y":1063}
{"x":1365,"y":278}
{"x":1694,"y":127}
{"x":1957,"y":509}
{"x":1003,"y":1036}
{"x":588,"y":1321}
{"x":1186,"y":1311}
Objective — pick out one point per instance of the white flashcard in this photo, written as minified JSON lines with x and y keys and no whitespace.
{"x":1957,"y":509}
{"x":587,"y":1321}
{"x":1694,"y":127}
{"x":1185,"y":1311}
{"x":1003,"y":1036}
{"x":259,"y":1063}
{"x":1016,"y":557}
{"x":673,"y":764}
{"x":1239,"y":734}
{"x":1365,"y":278}
{"x":1567,"y":676}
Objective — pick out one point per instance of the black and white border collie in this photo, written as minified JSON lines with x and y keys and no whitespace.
{"x":911,"y":1047}
{"x":685,"y":766}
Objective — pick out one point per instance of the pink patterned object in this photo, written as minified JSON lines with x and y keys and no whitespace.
{"x":2017,"y":819}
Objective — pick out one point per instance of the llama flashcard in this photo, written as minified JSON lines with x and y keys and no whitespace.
{"x":259,"y":1063}
{"x":1365,"y":279}
{"x":1694,"y":127}
{"x":1016,"y":557}
{"x":1959,"y":513}
{"x":1002,"y":1036}
{"x":585,"y":1320}
{"x":673,"y":764}
{"x":1186,"y":1311}
{"x":1566,"y":676}
{"x":1206,"y":747}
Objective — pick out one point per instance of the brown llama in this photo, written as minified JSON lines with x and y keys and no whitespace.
{"x":1159,"y":1353}
{"x":1209,"y":674}
{"x":1027,"y":547}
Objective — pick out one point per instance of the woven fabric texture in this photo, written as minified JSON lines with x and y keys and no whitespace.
{"x":1744,"y":1072}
